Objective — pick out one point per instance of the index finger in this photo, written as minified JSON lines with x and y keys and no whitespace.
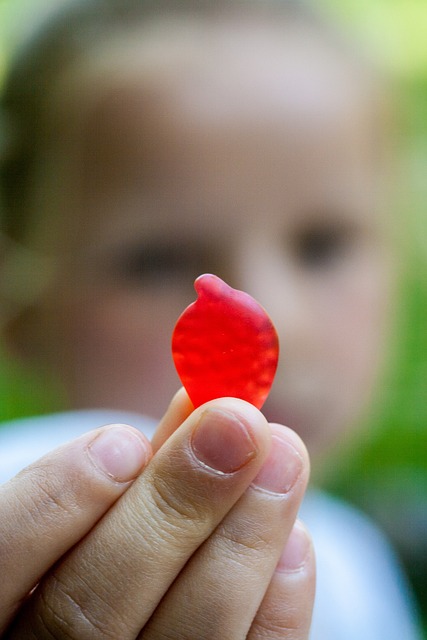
{"x":178,"y":411}
{"x":49,"y":506}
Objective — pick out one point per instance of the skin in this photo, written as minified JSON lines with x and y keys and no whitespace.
{"x":191,"y":530}
{"x":187,"y":146}
{"x":223,"y":170}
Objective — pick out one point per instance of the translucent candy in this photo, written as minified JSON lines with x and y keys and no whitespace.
{"x":224,"y":344}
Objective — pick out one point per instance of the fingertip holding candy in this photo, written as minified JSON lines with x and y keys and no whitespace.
{"x":224,"y":344}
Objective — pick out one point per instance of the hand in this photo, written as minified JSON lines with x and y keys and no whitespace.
{"x":51,"y":505}
{"x":190,"y":550}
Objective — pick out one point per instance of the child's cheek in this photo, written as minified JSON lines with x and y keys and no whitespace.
{"x":121,"y":354}
{"x":356,"y":330}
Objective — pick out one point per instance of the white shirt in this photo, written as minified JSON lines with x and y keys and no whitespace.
{"x":361,"y":592}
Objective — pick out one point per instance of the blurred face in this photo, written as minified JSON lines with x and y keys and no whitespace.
{"x":239,"y":149}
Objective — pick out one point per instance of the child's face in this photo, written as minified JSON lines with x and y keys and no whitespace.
{"x":248,"y":153}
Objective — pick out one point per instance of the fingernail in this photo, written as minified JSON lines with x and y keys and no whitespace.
{"x":296,"y":550}
{"x":281,"y":469}
{"x":222,"y":442}
{"x":119,"y":452}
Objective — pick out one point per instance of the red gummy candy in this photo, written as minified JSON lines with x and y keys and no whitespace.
{"x":224,"y":344}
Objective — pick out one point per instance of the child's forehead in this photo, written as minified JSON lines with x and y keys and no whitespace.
{"x":282,"y":111}
{"x":251,"y":98}
{"x":222,"y":67}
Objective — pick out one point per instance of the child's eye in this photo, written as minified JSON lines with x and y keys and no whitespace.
{"x":154,"y":263}
{"x":322,"y":246}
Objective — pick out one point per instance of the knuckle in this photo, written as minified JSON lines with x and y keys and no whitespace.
{"x":284,"y":622}
{"x":63,"y":616}
{"x":179,"y":514}
{"x":48,"y":496}
{"x":246,"y":540}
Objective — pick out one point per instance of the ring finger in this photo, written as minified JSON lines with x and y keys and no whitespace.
{"x":219,"y":592}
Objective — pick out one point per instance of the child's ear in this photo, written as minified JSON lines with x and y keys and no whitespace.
{"x":21,"y":336}
{"x":24,"y":279}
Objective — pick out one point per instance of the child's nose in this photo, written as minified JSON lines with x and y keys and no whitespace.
{"x":279,"y":290}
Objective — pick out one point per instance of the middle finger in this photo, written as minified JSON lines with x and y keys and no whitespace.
{"x":221,"y":588}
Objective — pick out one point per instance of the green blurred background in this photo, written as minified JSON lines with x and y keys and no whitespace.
{"x":385,"y":472}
